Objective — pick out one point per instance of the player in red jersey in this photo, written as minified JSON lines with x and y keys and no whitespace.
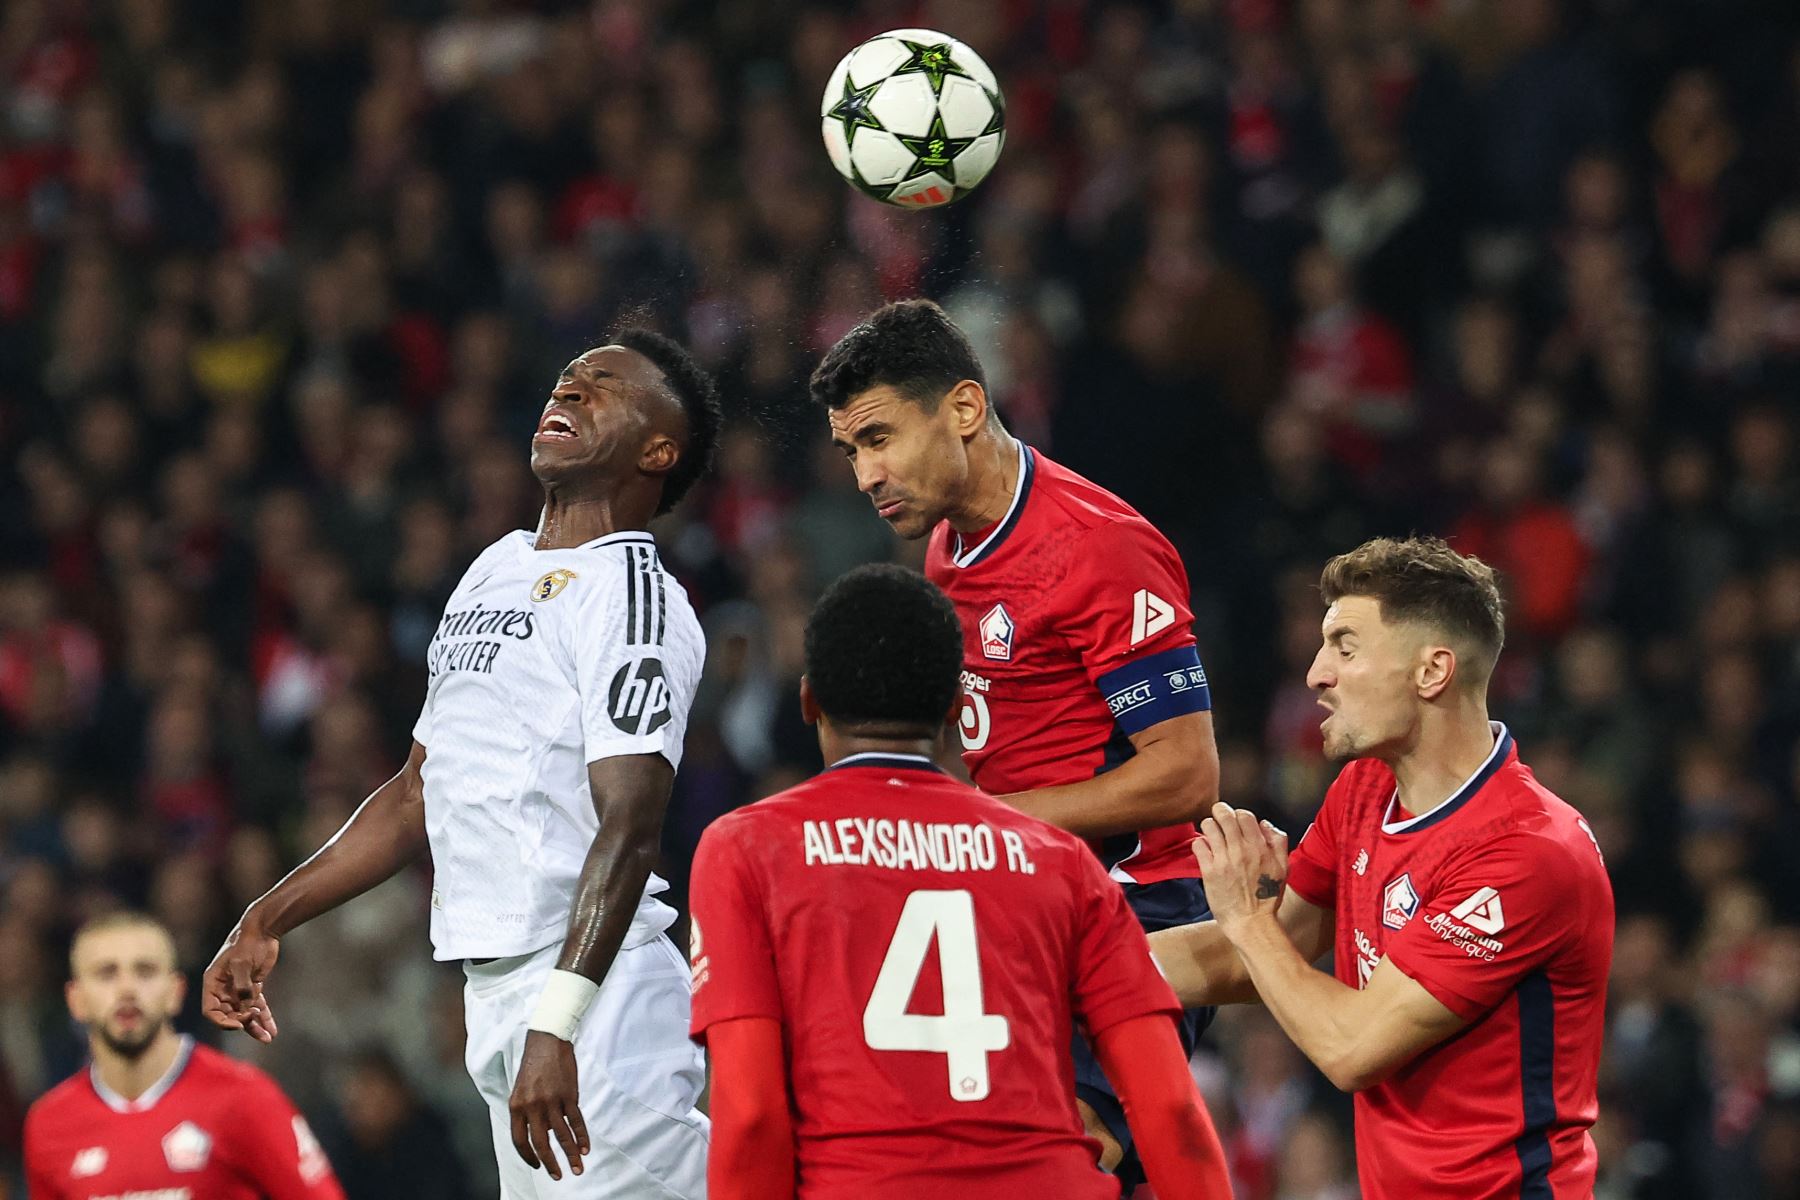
{"x":156,"y":1115}
{"x":1472,"y":912}
{"x":1084,"y":699}
{"x":851,"y":1058}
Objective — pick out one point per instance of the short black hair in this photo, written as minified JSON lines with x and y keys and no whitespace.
{"x":911,"y":346}
{"x":884,"y":650}
{"x":693,"y":386}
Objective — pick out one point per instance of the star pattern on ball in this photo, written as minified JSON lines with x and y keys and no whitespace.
{"x":852,"y":109}
{"x":936,"y":151}
{"x":932,"y":60}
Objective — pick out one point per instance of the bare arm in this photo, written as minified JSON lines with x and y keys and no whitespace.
{"x":1205,"y":968}
{"x":631,"y":793}
{"x":1356,"y":1036}
{"x":385,"y":834}
{"x":1172,"y":777}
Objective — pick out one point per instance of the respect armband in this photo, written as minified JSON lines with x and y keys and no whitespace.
{"x":1150,"y":690}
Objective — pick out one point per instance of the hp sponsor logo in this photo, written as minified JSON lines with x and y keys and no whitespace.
{"x":639,"y":697}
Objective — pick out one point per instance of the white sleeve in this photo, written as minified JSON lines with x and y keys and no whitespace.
{"x":422,"y":727}
{"x":638,"y":652}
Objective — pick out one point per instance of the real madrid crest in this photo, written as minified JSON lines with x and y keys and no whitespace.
{"x":550,"y":586}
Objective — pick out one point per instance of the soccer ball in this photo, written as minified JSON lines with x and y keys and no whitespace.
{"x":914,"y":118}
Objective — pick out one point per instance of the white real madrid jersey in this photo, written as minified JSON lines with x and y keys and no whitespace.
{"x":544,"y":661}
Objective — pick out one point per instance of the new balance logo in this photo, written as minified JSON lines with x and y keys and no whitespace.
{"x":639,"y":697}
{"x":1362,"y":862}
{"x":1150,"y":615}
{"x":1481,"y":911}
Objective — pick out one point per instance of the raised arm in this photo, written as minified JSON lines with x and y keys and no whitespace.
{"x":384,"y":835}
{"x":631,"y":793}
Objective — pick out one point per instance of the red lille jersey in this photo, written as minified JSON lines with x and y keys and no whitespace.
{"x":1076,"y":635}
{"x":1498,"y":904}
{"x":926,"y":949}
{"x":212,"y":1129}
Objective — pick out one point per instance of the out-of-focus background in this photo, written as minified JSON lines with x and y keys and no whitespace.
{"x":284,"y":283}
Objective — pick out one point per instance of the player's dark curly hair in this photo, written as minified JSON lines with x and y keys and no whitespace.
{"x":693,"y":386}
{"x":884,"y":652}
{"x":911,"y":346}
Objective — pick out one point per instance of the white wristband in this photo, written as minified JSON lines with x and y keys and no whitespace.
{"x":564,"y":1001}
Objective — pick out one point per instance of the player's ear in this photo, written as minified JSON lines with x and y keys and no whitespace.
{"x":77,"y":1007}
{"x":968,"y":407}
{"x":179,"y":982}
{"x":660,"y":455}
{"x":1435,"y":672}
{"x":810,"y":712}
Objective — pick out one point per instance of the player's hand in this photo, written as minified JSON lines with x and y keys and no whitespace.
{"x":546,"y":1102}
{"x":231,"y":992}
{"x":1243,"y":865}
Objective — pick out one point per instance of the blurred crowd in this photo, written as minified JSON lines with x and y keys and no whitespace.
{"x":284,"y":283}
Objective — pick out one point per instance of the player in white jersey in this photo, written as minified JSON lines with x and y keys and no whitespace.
{"x":560,"y":681}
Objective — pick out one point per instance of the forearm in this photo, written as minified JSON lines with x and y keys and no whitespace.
{"x":1202,"y":965}
{"x":752,"y":1151}
{"x":384,"y":835}
{"x":1140,"y":793}
{"x":1316,"y":1011}
{"x":1173,"y":1133}
{"x":613,"y":876}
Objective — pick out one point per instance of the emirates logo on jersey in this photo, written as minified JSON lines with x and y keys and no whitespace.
{"x":996,"y":631}
{"x":187,"y":1147}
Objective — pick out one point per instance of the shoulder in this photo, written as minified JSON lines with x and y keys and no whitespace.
{"x":744,"y":829}
{"x":1534,"y":838}
{"x":58,"y":1105}
{"x":218,"y":1070}
{"x":1086,"y":505}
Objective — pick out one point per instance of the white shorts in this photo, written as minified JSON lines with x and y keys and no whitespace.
{"x":639,"y":1076}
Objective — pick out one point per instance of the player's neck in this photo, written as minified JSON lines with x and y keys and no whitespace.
{"x":132,"y":1077}
{"x":1450,"y":748}
{"x":570,"y":518}
{"x":835,"y":747}
{"x":993,"y":480}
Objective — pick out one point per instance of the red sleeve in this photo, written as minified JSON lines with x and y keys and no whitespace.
{"x":1497,"y":914}
{"x":40,"y":1177}
{"x":1125,"y":596}
{"x":280,"y":1151}
{"x":1115,"y":977}
{"x":752,"y":1151}
{"x":1169,"y":1124}
{"x":729,"y":947}
{"x":1313,"y":863}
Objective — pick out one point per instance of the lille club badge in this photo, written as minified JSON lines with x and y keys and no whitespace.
{"x":997,"y":634}
{"x":1399,"y":902}
{"x":187,"y":1147}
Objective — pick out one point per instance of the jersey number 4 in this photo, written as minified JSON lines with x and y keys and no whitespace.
{"x":964,"y":1034}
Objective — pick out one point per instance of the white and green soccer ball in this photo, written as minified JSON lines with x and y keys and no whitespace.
{"x":914,"y":118}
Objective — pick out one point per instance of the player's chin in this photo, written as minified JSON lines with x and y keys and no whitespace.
{"x":554,"y":461}
{"x":910,"y":524}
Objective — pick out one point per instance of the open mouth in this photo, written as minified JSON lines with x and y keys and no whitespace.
{"x":556,"y":427}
